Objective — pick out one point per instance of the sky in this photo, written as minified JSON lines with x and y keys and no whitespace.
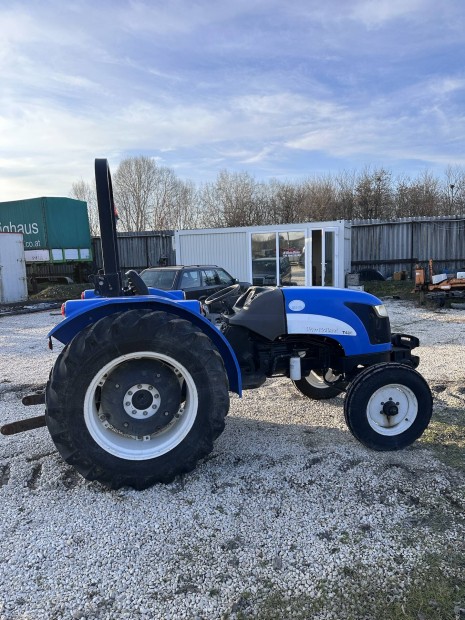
{"x":284,"y":89}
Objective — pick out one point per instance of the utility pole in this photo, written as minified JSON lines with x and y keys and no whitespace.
{"x":452,"y":187}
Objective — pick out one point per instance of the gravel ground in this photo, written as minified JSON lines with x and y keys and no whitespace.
{"x":289,"y":515}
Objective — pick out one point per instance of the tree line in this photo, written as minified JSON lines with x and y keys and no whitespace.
{"x":152,"y":197}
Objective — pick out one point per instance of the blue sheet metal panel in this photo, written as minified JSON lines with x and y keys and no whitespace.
{"x":321,"y":311}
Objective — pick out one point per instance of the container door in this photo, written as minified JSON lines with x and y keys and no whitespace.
{"x":13,"y":286}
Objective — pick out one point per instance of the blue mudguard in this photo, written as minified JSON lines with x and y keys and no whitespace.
{"x":81,"y":313}
{"x":324,"y":311}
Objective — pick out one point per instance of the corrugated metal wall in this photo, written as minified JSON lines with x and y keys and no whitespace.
{"x":400,"y":245}
{"x":136,"y":251}
{"x":139,"y":250}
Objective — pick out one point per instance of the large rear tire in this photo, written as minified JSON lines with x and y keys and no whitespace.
{"x":137,"y":398}
{"x":388,"y":406}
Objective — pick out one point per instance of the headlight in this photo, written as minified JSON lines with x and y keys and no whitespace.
{"x":381,"y":311}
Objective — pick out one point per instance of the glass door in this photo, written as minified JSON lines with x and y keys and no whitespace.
{"x":316,"y":258}
{"x":264,"y":268}
{"x":329,"y":262}
{"x":292,"y":258}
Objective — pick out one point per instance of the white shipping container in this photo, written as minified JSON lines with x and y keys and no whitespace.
{"x":324,"y":257}
{"x":13,"y":282}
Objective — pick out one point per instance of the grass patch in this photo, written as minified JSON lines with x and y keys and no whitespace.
{"x":403,"y":289}
{"x":447,"y":441}
{"x":436,"y":592}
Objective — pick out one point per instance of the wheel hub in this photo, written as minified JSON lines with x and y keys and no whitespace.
{"x":141,"y":401}
{"x":390,"y":408}
{"x":140,"y":397}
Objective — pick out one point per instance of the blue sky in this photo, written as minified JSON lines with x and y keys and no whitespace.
{"x":284,"y":89}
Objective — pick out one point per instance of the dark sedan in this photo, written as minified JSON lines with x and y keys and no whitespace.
{"x":197,"y":281}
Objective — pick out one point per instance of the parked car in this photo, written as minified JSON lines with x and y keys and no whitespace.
{"x":264,"y":271}
{"x":197,"y":281}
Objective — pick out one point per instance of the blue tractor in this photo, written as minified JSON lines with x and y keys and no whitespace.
{"x":141,"y":388}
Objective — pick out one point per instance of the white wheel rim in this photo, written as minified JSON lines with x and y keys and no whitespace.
{"x":151,"y":446}
{"x":403,"y":399}
{"x":316,"y":380}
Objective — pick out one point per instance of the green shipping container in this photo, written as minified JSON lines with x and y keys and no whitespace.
{"x":55,"y":229}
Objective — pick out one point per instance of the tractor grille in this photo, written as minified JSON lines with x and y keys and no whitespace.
{"x":378,"y":328}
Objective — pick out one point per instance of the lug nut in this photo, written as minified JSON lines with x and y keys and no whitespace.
{"x":166,"y":413}
{"x":145,"y":412}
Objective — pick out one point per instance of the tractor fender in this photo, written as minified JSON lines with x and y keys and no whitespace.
{"x":81,"y":313}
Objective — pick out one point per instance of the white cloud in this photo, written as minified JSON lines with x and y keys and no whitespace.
{"x":206,"y":85}
{"x":375,"y":13}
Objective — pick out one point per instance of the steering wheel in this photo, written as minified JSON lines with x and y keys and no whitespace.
{"x":136,"y":284}
{"x":223,"y":294}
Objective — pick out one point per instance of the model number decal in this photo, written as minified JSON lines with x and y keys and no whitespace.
{"x":317,"y":324}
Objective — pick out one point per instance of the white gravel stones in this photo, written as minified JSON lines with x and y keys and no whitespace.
{"x":287,"y":503}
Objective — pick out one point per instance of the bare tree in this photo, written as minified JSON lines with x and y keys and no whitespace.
{"x":133,"y":186}
{"x":81,"y":190}
{"x":320,"y":203}
{"x":286,"y":202}
{"x":234,"y":199}
{"x":173,"y":202}
{"x":374,"y":194}
{"x":151,"y":197}
{"x":345,"y":183}
{"x":418,"y":197}
{"x":453,"y":191}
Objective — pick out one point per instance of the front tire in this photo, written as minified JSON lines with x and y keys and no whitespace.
{"x":314,"y":386}
{"x":388,"y":406}
{"x":137,"y":398}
